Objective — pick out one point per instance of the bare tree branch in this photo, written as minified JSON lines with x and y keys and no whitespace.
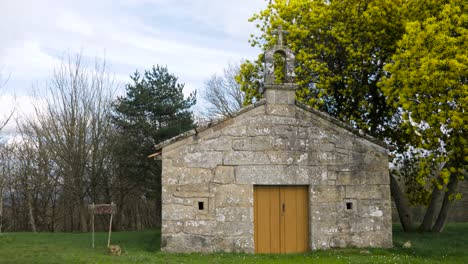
{"x":222,"y":93}
{"x":8,"y":116}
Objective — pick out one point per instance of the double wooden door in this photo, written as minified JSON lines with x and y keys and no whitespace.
{"x":281,"y":219}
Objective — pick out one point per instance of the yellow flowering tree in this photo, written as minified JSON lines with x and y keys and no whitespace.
{"x":428,"y":82}
{"x":342,"y":51}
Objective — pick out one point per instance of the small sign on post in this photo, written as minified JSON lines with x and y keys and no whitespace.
{"x":102,"y":209}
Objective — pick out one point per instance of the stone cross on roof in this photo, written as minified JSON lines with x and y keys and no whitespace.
{"x":280,"y":33}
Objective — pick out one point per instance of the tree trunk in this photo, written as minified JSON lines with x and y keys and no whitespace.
{"x":52,"y":220}
{"x":32,"y":222}
{"x":72,"y":216}
{"x":14,"y":215}
{"x":426,"y":225}
{"x":138,"y":217}
{"x":119,"y":216}
{"x":1,"y":207}
{"x":401,"y":205}
{"x":83,"y":221}
{"x":446,"y":204}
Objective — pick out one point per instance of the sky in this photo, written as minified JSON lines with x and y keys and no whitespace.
{"x":193,"y":38}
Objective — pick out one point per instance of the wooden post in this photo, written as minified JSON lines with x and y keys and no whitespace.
{"x":110,"y":224}
{"x":102,"y":209}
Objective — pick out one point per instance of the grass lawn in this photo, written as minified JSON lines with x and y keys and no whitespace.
{"x":143,"y":247}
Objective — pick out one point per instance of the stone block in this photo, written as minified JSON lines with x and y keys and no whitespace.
{"x":284,"y":130}
{"x":271,"y":120}
{"x":365,"y":192}
{"x":190,"y":188}
{"x":303,"y":174}
{"x":343,"y":143}
{"x":169,"y":155}
{"x":371,"y":209}
{"x":259,"y":129}
{"x":238,"y":244}
{"x":177,"y":212}
{"x":188,"y":243}
{"x":357,"y":157}
{"x":332,"y":175}
{"x":235,"y":131}
{"x":338,"y":242}
{"x":281,"y":110}
{"x":376,"y":177}
{"x":282,"y":157}
{"x":342,"y":151}
{"x":359,"y":145}
{"x":224,"y":175}
{"x":245,"y":158}
{"x":171,"y":199}
{"x":221,"y":143}
{"x":276,"y":96}
{"x":261,"y":143}
{"x":234,"y":214}
{"x":200,"y":227}
{"x":302,"y":132}
{"x":327,"y":193}
{"x":265,"y":174}
{"x":299,"y":144}
{"x":184,"y":175}
{"x":348,"y":178}
{"x":364,"y":224}
{"x":235,"y":228}
{"x":346,"y":167}
{"x":233,"y":195}
{"x":327,"y":147}
{"x":385,"y":192}
{"x":327,"y":158}
{"x":194,"y":194}
{"x":205,"y":159}
{"x":206,"y":217}
{"x":172,"y":227}
{"x":242,"y":144}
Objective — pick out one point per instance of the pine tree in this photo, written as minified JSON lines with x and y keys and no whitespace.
{"x":153,"y":110}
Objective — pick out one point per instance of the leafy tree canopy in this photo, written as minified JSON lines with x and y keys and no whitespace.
{"x":394,"y":68}
{"x":428,"y":82}
{"x":341,"y":48}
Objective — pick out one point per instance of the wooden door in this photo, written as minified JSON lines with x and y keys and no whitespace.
{"x":281,"y":218}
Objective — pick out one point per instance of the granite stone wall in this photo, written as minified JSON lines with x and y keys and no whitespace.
{"x":274,"y":143}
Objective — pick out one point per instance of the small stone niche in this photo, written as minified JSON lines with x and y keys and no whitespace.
{"x":201,"y":205}
{"x":349,"y":205}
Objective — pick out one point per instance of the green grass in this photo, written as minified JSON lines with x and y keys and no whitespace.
{"x":143,"y":247}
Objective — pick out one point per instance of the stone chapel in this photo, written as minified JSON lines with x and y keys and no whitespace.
{"x":277,"y":177}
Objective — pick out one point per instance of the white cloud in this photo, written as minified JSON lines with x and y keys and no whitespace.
{"x":71,"y":22}
{"x":201,"y":37}
{"x":21,"y":106}
{"x":28,"y":60}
